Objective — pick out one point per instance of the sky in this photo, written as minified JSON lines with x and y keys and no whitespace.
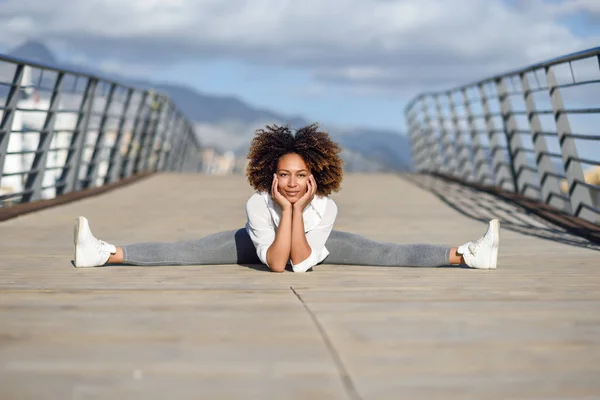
{"x":343,"y":62}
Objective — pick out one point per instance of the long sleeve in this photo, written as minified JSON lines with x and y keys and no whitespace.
{"x":316,"y":239}
{"x":259,"y":226}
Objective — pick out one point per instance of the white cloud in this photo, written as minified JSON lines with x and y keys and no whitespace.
{"x":382,"y":43}
{"x":589,"y":6}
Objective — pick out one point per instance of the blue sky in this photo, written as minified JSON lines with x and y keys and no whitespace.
{"x":355,"y":62}
{"x":289,"y":91}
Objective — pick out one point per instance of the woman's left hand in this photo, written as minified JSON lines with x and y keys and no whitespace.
{"x":311,"y":190}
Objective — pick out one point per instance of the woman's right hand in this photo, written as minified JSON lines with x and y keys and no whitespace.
{"x":277,"y":196}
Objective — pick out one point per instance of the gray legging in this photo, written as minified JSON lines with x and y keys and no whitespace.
{"x":236,"y":247}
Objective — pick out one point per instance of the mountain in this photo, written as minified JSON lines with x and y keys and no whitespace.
{"x":34,"y":51}
{"x":217,"y":109}
{"x":389,"y":148}
{"x":228,"y":123}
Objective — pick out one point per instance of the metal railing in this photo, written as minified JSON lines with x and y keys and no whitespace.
{"x":513,"y":131}
{"x":63,"y":131}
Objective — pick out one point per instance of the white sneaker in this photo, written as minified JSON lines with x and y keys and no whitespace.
{"x":483,"y":253}
{"x":89,"y":251}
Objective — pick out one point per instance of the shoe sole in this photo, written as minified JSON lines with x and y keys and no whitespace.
{"x":495,"y":225}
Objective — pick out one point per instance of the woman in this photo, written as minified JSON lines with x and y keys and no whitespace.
{"x":290,"y":220}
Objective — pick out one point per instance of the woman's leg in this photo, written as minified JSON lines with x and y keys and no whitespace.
{"x":228,"y":247}
{"x":351,"y":249}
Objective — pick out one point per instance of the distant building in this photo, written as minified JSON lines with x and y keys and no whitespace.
{"x":215,"y":162}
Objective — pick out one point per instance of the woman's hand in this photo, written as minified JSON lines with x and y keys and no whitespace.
{"x":278,"y":197}
{"x":311,"y":189}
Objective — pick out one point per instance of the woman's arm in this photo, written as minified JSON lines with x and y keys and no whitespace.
{"x":301,"y":249}
{"x":278,"y":253}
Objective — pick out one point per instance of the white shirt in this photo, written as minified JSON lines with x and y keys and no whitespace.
{"x":264,"y":216}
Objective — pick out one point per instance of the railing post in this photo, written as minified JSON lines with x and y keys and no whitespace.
{"x":93,"y":166}
{"x":133,"y":146}
{"x":33,"y":184}
{"x":416,"y":137}
{"x":449,"y":150}
{"x":522,"y":176}
{"x":8,"y":115}
{"x":149,"y":151}
{"x":177,"y":144}
{"x":162,"y":150}
{"x":170,"y":142}
{"x":465,"y":165}
{"x":419,"y":146}
{"x":173,"y":143}
{"x":434,"y":149}
{"x":549,"y":183}
{"x":188,"y":147}
{"x":501,"y":176}
{"x":115,"y":158}
{"x":579,"y":194}
{"x":146,"y":133}
{"x":410,"y":123}
{"x":184,"y":147}
{"x":481,"y":163}
{"x":70,"y":174}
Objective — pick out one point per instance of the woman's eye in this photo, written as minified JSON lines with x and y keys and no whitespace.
{"x":301,"y":175}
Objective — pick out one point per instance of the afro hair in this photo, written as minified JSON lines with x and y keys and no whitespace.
{"x":320,"y":153}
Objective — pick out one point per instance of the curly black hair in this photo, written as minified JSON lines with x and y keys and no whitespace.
{"x":319,"y":152}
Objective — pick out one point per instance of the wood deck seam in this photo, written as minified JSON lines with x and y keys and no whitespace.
{"x":345,"y":377}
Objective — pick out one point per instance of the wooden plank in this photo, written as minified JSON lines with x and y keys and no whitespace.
{"x":224,"y":344}
{"x":527,"y":330}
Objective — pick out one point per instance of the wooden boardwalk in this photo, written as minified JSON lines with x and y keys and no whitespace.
{"x":528,"y":330}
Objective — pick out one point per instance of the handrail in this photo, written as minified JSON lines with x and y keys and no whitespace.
{"x":578,"y":55}
{"x":63,"y":131}
{"x":475,"y":132}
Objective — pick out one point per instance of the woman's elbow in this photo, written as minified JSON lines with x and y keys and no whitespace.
{"x":275,"y":262}
{"x":277,"y":267}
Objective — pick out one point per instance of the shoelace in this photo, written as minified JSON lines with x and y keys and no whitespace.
{"x":101,"y":245}
{"x":473,"y":247}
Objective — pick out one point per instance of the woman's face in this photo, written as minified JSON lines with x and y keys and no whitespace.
{"x":292,"y":175}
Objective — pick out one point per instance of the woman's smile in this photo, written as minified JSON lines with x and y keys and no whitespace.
{"x":292,"y":173}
